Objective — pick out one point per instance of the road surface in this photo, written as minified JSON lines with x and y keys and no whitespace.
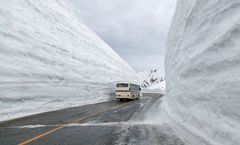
{"x":107,"y":123}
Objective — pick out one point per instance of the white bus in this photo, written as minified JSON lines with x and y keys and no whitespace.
{"x":128,"y":91}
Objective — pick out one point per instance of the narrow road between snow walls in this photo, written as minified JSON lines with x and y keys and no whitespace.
{"x":108,"y":123}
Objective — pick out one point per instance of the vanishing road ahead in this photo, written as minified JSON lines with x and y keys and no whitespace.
{"x":108,"y":123}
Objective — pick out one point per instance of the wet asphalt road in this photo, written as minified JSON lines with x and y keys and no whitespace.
{"x":107,"y":123}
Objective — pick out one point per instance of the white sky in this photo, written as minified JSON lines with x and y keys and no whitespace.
{"x":136,"y":29}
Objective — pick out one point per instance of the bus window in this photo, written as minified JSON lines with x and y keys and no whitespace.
{"x":135,"y":87}
{"x":122,"y":85}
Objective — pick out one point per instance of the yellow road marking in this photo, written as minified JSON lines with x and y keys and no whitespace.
{"x":64,"y":125}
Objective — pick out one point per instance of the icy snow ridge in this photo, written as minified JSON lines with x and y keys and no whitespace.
{"x":203,"y":68}
{"x":151,"y":77}
{"x":51,"y":60}
{"x":152,"y":80}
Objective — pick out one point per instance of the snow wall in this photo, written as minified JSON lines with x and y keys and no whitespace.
{"x":203,"y":68}
{"x":51,"y":60}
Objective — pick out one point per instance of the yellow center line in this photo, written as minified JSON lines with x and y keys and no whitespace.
{"x":64,"y":125}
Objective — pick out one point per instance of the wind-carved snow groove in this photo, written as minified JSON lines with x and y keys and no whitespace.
{"x":202,"y":69}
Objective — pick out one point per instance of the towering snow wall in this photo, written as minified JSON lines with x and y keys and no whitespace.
{"x":203,"y":68}
{"x":49,"y":59}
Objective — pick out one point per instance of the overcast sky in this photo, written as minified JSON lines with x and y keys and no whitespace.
{"x":135,"y":29}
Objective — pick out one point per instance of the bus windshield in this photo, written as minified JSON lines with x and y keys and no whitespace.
{"x":122,"y":85}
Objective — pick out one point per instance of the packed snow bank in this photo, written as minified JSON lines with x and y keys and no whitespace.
{"x":156,"y":88}
{"x":51,"y":60}
{"x":159,"y":86}
{"x":203,"y":66}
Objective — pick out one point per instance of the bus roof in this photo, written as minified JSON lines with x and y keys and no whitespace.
{"x":128,"y":83}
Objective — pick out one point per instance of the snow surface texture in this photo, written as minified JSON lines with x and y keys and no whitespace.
{"x":153,"y":80}
{"x":203,"y":68}
{"x":51,"y":60}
